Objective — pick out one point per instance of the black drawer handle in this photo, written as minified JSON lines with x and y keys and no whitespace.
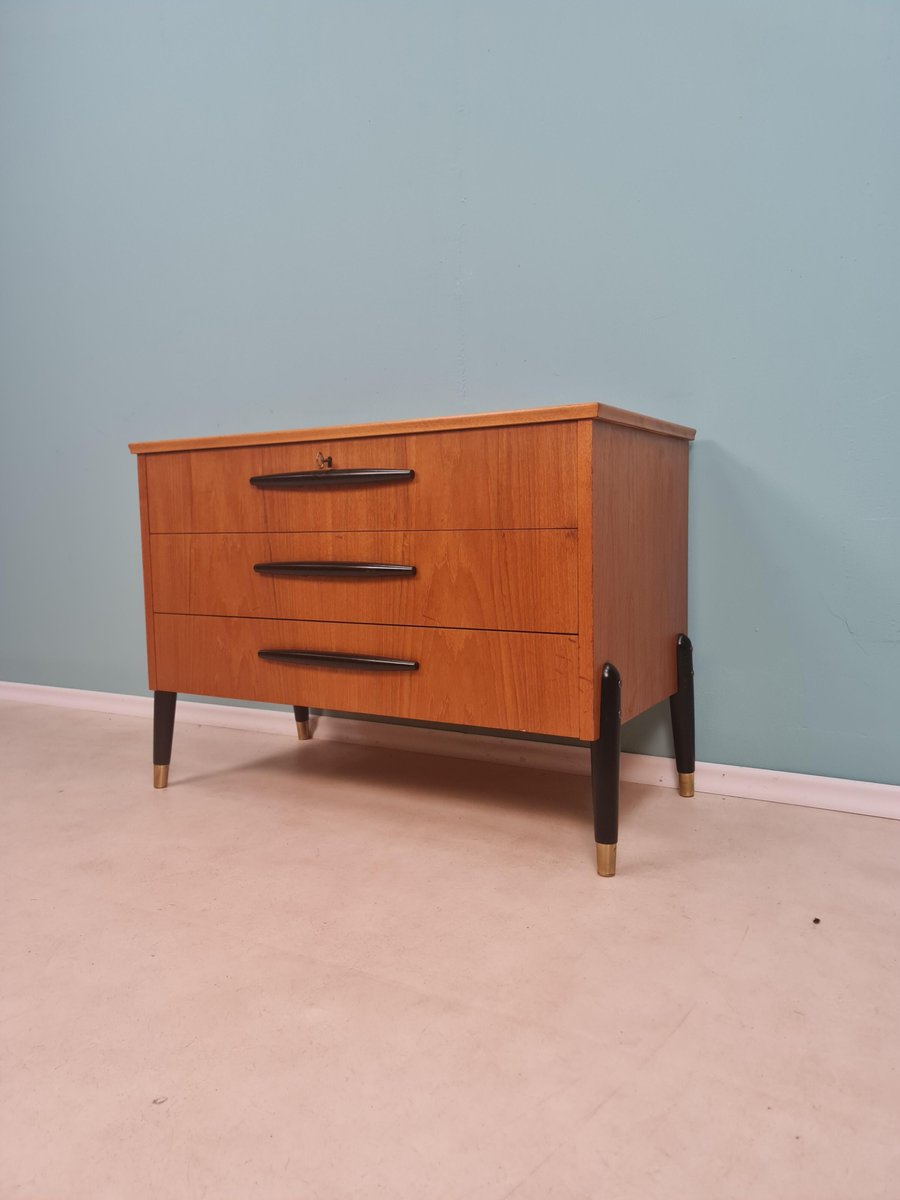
{"x":341,"y":477}
{"x":356,"y":662}
{"x":334,"y":570}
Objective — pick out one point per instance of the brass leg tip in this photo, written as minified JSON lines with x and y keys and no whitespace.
{"x":160,"y":775}
{"x":303,"y":731}
{"x":606,"y":859}
{"x":686,"y":784}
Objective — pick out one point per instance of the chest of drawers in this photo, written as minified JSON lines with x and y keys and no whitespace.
{"x":507,"y":571}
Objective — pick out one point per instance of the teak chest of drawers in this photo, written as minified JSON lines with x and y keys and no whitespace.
{"x":510,"y":571}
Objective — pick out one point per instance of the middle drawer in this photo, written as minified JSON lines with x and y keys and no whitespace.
{"x":523,"y":579}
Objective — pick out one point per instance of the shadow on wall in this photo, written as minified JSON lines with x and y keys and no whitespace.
{"x":783,"y":596}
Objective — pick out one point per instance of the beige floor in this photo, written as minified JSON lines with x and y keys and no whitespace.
{"x":317,"y":971}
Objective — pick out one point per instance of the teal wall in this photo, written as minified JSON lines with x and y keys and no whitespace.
{"x":249,"y":215}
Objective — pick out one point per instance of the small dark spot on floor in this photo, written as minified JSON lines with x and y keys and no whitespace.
{"x":815,"y":920}
{"x":160,"y":1099}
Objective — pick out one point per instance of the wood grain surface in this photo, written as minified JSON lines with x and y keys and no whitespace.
{"x":516,"y":477}
{"x":520,"y":681}
{"x":478,"y":579}
{"x":588,"y":692}
{"x":639,"y":561}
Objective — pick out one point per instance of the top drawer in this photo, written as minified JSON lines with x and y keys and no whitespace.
{"x":511,"y":477}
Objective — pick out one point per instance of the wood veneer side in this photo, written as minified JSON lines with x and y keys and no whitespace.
{"x":146,"y":559}
{"x":640,"y":529}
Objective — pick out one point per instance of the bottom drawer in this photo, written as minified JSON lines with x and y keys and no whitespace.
{"x":521,"y":681}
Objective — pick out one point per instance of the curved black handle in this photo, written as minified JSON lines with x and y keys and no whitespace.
{"x":356,"y":662}
{"x":341,"y":477}
{"x":334,"y":570}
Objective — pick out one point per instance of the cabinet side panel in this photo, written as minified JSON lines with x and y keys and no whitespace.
{"x":640,"y":515}
{"x":148,"y":574}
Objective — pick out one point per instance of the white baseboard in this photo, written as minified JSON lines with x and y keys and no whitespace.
{"x":751,"y":783}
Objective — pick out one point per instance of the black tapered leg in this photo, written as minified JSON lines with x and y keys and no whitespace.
{"x":605,"y":771}
{"x":301,"y":716}
{"x":682,"y":708}
{"x":163,"y":728}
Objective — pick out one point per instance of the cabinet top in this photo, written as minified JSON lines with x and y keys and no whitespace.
{"x":519,"y":416}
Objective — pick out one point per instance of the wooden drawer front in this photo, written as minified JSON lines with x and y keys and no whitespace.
{"x":481,"y":579}
{"x":523,"y":681}
{"x":512,"y":477}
